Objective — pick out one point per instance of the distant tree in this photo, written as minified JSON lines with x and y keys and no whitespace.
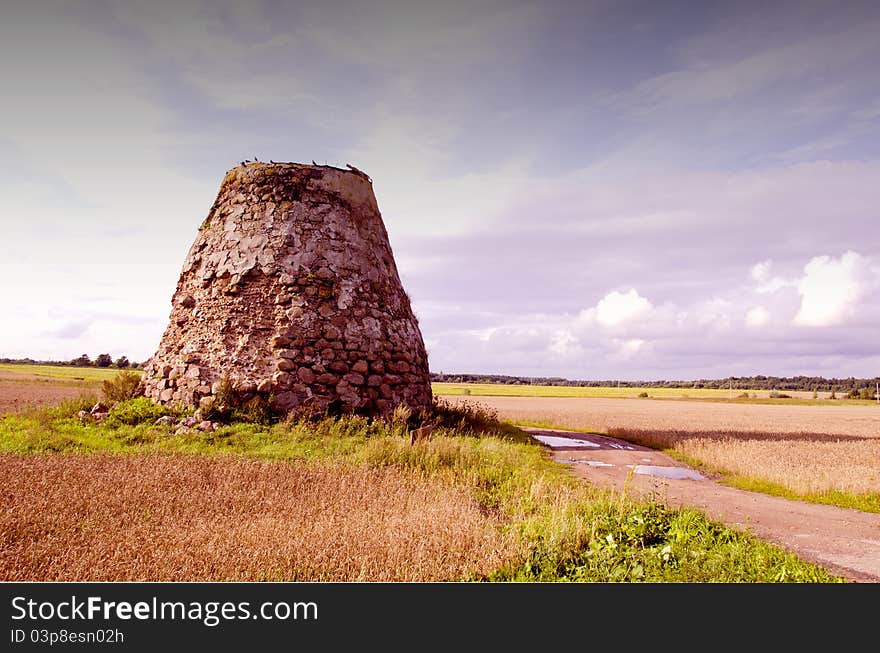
{"x":122,"y":362}
{"x":866,"y":393}
{"x":103,"y":360}
{"x":82,"y":361}
{"x":833,"y":394}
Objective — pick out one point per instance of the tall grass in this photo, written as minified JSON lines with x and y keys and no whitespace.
{"x":342,"y":499}
{"x":816,"y":467}
{"x":198,"y":518}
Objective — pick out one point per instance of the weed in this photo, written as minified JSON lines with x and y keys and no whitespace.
{"x":136,"y":411}
{"x":125,"y":385}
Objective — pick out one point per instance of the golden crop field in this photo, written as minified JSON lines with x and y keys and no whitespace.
{"x":227,"y":518}
{"x":808,"y":449}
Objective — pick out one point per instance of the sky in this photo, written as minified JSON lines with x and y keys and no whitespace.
{"x":592,"y":190}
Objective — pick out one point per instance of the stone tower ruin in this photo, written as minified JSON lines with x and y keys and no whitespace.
{"x":290,"y":292}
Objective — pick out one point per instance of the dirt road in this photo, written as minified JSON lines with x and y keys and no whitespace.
{"x":845,"y":542}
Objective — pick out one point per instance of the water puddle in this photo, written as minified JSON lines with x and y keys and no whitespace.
{"x":554,"y":442}
{"x":676,"y":473}
{"x":591,"y":463}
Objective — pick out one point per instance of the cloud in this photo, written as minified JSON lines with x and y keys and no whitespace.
{"x":757,"y":316}
{"x":70,"y":330}
{"x":617,"y":308}
{"x":829,"y":289}
{"x":761,"y":271}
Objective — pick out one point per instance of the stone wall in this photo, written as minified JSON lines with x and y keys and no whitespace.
{"x":290,"y":291}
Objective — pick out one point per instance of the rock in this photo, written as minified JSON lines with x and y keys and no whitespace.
{"x":85,"y":417}
{"x":245,"y":387}
{"x":286,"y":365}
{"x":99,"y":408}
{"x":207,"y":426}
{"x":306,"y":375}
{"x":264,"y":386}
{"x":165,"y":420}
{"x":353,"y":379}
{"x":188,"y":422}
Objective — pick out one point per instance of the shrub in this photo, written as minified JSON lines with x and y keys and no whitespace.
{"x":123,"y":386}
{"x":69,"y":407}
{"x":470,"y":418}
{"x":136,"y":411}
{"x":643,"y":395}
{"x":259,"y":410}
{"x":779,"y":395}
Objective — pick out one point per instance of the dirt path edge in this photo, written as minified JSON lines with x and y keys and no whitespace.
{"x":845,"y":542}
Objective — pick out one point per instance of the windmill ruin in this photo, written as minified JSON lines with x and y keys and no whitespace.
{"x":290,"y":292}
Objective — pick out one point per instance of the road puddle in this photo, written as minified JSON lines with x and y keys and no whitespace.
{"x":556,"y":442}
{"x":591,"y":463}
{"x":676,"y":473}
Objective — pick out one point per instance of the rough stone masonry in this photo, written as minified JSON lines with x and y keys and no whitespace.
{"x":290,"y":291}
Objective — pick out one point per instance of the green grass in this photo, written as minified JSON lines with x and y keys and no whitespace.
{"x":607,"y":392}
{"x":863,"y":502}
{"x":566,"y":529}
{"x":504,"y":390}
{"x":64,"y":373}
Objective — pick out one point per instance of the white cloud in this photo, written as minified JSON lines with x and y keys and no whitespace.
{"x":761,"y":271}
{"x":617,"y":308}
{"x":760,"y":274}
{"x":829,"y":288}
{"x":757,"y":316}
{"x":564,"y":343}
{"x":629,"y":348}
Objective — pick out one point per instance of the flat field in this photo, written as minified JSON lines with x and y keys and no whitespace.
{"x":809,"y":450}
{"x":31,"y":386}
{"x":59,"y":373}
{"x":602,"y":414}
{"x":515,"y":390}
{"x":215,"y":518}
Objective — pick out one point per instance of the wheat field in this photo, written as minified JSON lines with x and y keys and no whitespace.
{"x":227,"y":518}
{"x":808,"y":449}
